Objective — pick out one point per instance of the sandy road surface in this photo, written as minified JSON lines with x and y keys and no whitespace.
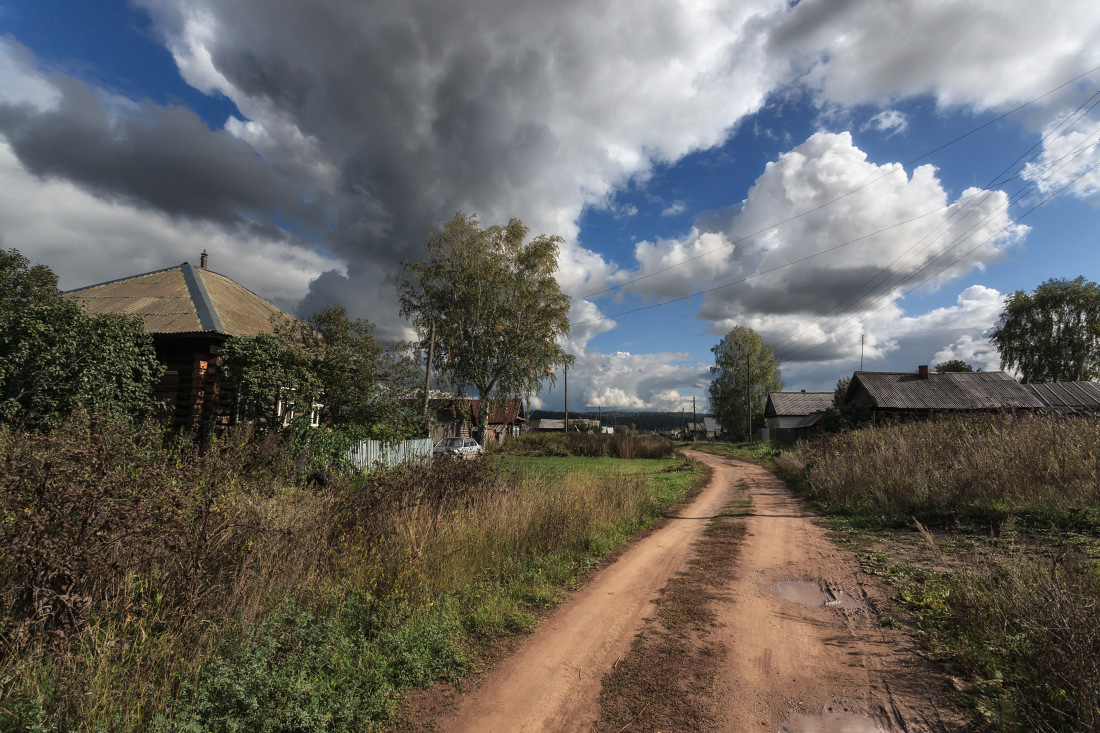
{"x":804,"y":649}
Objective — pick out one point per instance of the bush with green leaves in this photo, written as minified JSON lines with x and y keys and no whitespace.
{"x":54,"y":358}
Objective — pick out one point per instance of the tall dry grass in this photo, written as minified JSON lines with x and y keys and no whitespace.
{"x":1025,"y":626}
{"x":153,"y":585}
{"x":984,"y":464}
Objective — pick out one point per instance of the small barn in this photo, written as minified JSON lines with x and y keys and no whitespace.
{"x":793,"y":414}
{"x":924,"y":393}
{"x":458,"y":417}
{"x":190,"y":312}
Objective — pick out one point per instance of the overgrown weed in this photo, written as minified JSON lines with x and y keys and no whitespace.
{"x":1009,"y":595}
{"x":160,"y":584}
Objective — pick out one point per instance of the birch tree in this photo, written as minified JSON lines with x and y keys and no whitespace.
{"x":745,"y":371}
{"x":498,"y":313}
{"x":1053,"y":334}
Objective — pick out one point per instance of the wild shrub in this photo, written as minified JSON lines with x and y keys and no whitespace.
{"x":626,"y":444}
{"x":1035,"y":627}
{"x":152,"y":583}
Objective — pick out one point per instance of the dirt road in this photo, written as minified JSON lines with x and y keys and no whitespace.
{"x":803,"y":647}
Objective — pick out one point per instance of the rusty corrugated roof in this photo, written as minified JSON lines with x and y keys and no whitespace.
{"x":1068,"y":396}
{"x":944,"y":391}
{"x":788,"y":404}
{"x":182,"y":299}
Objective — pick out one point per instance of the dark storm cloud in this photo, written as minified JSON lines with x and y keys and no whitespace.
{"x":164,"y":158}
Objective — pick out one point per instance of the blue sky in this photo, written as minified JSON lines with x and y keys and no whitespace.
{"x":310,"y":144}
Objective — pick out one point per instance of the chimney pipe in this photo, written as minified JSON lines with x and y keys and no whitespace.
{"x":202,"y":260}
{"x":922,"y":371}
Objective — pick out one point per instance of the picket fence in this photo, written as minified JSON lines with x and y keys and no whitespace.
{"x":365,"y":454}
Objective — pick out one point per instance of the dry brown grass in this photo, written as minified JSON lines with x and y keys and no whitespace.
{"x":135,"y":576}
{"x":1010,"y":593}
{"x":984,"y":464}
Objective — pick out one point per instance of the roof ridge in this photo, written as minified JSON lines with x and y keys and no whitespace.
{"x":128,"y":277}
{"x":204,"y":306}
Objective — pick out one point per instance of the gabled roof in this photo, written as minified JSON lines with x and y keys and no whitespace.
{"x":182,"y":299}
{"x":1068,"y":396}
{"x":941,"y":391}
{"x":792,"y":404}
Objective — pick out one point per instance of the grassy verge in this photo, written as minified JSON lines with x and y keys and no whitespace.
{"x":988,"y":528}
{"x":762,"y":453}
{"x":154,"y":586}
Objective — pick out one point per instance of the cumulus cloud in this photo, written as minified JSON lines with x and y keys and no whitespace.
{"x":361,"y":125}
{"x":897,"y":342}
{"x":980,"y":53}
{"x":625,"y":381}
{"x":856,"y":236}
{"x":1070,"y":158}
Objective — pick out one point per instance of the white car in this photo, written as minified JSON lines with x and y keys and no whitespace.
{"x":458,"y":448}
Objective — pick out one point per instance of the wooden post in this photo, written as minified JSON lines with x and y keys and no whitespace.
{"x":428,"y":376}
{"x":694,"y":421}
{"x":565,"y":422}
{"x":748,"y":397}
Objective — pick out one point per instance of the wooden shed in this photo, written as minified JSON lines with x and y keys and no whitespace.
{"x":793,"y":414}
{"x":190,"y":312}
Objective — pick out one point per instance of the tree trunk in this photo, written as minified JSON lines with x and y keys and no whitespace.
{"x":482,"y":416}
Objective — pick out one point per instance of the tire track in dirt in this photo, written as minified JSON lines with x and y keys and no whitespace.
{"x":803,"y":646}
{"x":552,"y":682}
{"x":806,"y":649}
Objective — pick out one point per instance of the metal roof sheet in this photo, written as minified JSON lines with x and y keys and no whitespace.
{"x":945,"y":391}
{"x":788,"y":404}
{"x":182,"y":299}
{"x":1068,"y":396}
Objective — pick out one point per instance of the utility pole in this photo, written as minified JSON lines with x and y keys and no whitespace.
{"x":428,"y":375}
{"x":694,"y":421}
{"x":748,"y":397}
{"x":599,"y":416}
{"x":565,"y":422}
{"x":861,"y":352}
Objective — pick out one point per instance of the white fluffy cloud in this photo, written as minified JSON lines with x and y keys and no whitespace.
{"x":1070,"y":158}
{"x":839,"y":258}
{"x":364,"y":124}
{"x":625,"y":381}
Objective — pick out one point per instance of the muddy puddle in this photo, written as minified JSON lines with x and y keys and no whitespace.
{"x":831,"y":723}
{"x":807,"y":593}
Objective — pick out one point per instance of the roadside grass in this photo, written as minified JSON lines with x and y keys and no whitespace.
{"x":762,"y":453}
{"x":193,"y":589}
{"x":988,"y":529}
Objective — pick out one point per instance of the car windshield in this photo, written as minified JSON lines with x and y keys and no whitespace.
{"x":451,"y":442}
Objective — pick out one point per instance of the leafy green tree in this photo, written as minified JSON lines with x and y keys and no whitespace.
{"x":954,"y":365}
{"x":329,"y":361}
{"x":54,"y":358}
{"x":496,"y":309}
{"x":741,"y":360}
{"x":840,"y":390}
{"x":1053,"y":334}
